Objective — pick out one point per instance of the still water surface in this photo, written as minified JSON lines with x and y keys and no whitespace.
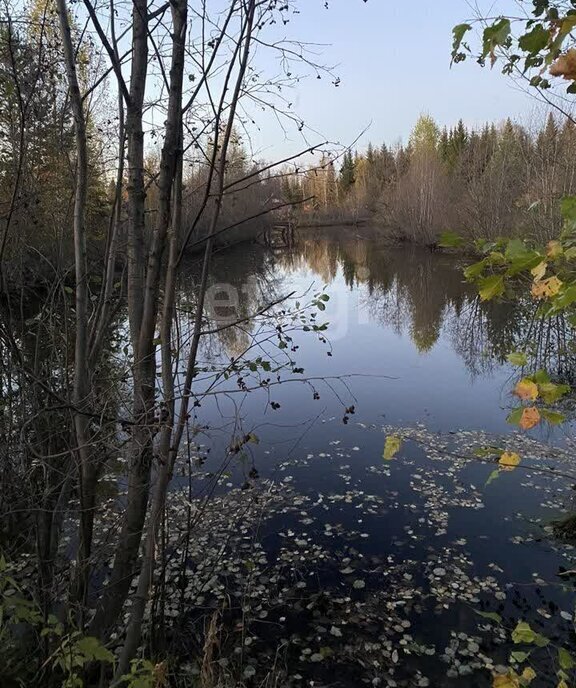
{"x":371,"y":572}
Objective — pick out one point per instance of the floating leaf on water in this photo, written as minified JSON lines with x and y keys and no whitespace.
{"x":565,"y":659}
{"x":509,"y":680}
{"x":509,"y":460}
{"x":528,"y":675}
{"x":487,"y":452}
{"x":518,"y":656}
{"x":493,"y":616}
{"x":391,"y":447}
{"x":492,"y":477}
{"x":523,"y":633}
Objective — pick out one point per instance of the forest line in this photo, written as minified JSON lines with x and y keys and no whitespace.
{"x":499,"y":180}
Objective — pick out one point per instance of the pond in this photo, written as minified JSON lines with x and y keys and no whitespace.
{"x":322,"y":563}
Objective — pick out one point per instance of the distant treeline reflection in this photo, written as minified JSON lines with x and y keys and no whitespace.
{"x":423,"y":292}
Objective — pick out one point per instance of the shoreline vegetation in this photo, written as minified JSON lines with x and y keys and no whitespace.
{"x":497,"y":181}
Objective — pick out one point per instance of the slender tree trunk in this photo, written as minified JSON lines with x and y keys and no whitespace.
{"x":170,"y":441}
{"x":126,"y":554}
{"x":103,"y":312}
{"x":80,"y":391}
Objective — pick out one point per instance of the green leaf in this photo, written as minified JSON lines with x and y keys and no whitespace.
{"x":568,"y":208}
{"x":493,"y":616}
{"x":551,"y":393}
{"x":495,"y":36}
{"x":492,"y":477}
{"x":450,"y":240}
{"x":565,"y":659}
{"x":488,"y":452}
{"x":458,"y":33}
{"x":541,"y":377}
{"x":491,"y":287}
{"x":391,"y":447}
{"x":515,"y":416}
{"x":553,"y":417}
{"x":565,"y":299}
{"x":92,"y":649}
{"x":518,"y":656}
{"x":475,"y":270}
{"x":534,"y":41}
{"x":523,"y":633}
{"x":517,"y":358}
{"x":515,"y":249}
{"x":523,"y":263}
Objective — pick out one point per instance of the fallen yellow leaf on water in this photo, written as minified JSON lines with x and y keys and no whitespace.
{"x":509,"y":680}
{"x":391,"y":447}
{"x":539,"y":271}
{"x":526,"y":390}
{"x":530,"y":418}
{"x":544,"y":289}
{"x":528,"y":675}
{"x":509,"y":460}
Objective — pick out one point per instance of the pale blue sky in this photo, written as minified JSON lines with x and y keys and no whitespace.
{"x":394,"y":62}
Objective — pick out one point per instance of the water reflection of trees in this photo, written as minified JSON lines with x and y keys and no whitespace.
{"x":424,"y":294}
{"x":242,"y":280}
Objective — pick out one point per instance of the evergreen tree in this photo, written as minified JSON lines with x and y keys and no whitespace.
{"x":347,"y":173}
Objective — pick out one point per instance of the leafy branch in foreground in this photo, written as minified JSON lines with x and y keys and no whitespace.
{"x":527,"y":643}
{"x":543,"y":46}
{"x":544,"y":275}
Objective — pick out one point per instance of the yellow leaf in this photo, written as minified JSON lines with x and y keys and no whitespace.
{"x":391,"y":447}
{"x":554,"y":249}
{"x":544,"y":289}
{"x":509,"y":680}
{"x":530,"y":418}
{"x":562,"y":684}
{"x":539,"y":271}
{"x":526,"y":390}
{"x":509,"y":460}
{"x":565,"y":65}
{"x":528,"y":675}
